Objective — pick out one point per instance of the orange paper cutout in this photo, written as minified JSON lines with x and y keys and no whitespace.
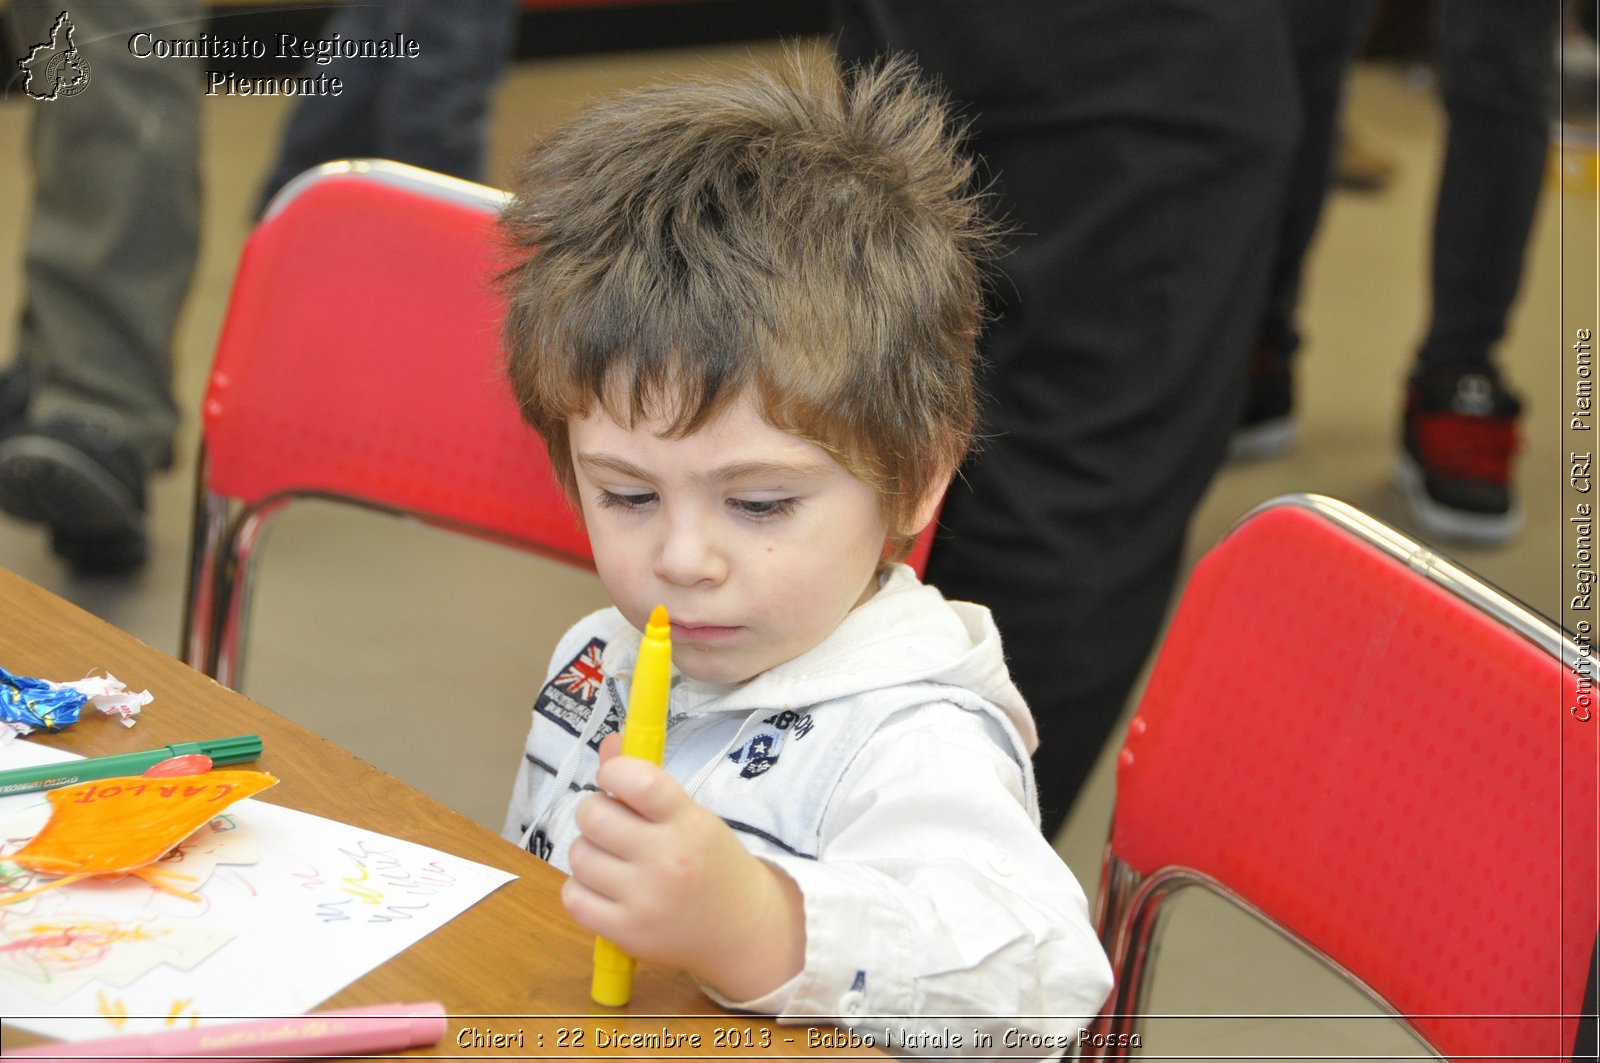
{"x":120,"y":826}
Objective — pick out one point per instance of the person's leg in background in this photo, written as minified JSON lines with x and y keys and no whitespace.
{"x":438,"y":115}
{"x":1459,"y":435}
{"x":1140,"y":149}
{"x":320,"y":128}
{"x":431,"y":111}
{"x":1323,"y":38}
{"x":110,"y":252}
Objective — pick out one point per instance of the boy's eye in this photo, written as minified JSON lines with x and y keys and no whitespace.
{"x":636,"y":500}
{"x":764,"y":509}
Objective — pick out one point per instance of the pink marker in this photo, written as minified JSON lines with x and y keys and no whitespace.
{"x":347,"y":1032}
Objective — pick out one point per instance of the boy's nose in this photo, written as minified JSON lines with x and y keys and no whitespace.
{"x":687,"y":555}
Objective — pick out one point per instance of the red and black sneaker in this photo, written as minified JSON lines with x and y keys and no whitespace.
{"x":1458,"y":436}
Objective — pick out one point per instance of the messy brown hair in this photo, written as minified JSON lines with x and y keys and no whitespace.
{"x":806,"y":232}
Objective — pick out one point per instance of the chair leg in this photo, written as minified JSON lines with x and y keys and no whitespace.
{"x":198,"y":638}
{"x":1118,"y":884}
{"x":1126,"y":919}
{"x":208,"y":531}
{"x":1132,"y":971}
{"x":233,"y":581}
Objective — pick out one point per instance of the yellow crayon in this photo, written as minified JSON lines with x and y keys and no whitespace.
{"x":645,"y":736}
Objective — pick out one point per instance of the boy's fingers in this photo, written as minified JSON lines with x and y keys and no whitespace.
{"x":598,"y":870}
{"x":588,"y":909}
{"x":607,"y":822}
{"x":610,"y":746}
{"x":642,"y":786}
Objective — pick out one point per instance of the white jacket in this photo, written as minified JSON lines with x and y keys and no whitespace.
{"x":887,"y":772}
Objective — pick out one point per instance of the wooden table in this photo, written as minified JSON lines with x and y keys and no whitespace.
{"x":512,"y":964}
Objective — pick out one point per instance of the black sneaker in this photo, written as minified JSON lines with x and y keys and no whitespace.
{"x":85,"y":482}
{"x":1266,"y":427}
{"x":1458,"y":436}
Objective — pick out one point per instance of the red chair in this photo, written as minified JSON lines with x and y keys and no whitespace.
{"x":360,"y":360}
{"x":1382,"y":757}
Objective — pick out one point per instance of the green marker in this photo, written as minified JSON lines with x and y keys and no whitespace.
{"x":49,"y":776}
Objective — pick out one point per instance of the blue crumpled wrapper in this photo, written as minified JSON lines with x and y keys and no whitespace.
{"x":28,"y":704}
{"x":38,"y":703}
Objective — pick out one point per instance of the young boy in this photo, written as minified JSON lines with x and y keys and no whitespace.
{"x":743,"y":321}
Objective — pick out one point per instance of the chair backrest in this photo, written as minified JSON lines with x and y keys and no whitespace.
{"x":360,"y":358}
{"x":1386,"y":758}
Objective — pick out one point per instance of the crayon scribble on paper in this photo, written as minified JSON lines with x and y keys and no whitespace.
{"x":58,"y":947}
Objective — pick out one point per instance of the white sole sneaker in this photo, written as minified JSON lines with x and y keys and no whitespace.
{"x":1444,"y":522}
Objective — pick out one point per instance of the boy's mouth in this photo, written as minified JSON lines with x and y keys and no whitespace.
{"x":702,"y":632}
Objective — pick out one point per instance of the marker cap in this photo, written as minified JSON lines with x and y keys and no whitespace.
{"x":229,"y":750}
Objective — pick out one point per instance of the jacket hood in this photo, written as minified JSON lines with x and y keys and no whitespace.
{"x":905,"y":633}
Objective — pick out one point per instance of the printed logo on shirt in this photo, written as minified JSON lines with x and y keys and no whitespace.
{"x":582,"y":676}
{"x":569,"y":698}
{"x":760,"y":753}
{"x":800,"y":722}
{"x":539,"y":845}
{"x":757,"y":755}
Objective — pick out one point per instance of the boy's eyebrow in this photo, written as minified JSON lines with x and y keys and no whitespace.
{"x":722,"y":473}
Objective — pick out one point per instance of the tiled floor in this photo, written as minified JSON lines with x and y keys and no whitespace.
{"x":420,"y":651}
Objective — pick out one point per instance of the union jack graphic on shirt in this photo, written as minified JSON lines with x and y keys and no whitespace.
{"x":570,"y":697}
{"x":582,"y":677}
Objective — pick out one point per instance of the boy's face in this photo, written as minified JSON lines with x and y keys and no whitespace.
{"x":756,"y":541}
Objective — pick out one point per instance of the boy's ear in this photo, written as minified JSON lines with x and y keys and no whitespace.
{"x":928,"y":506}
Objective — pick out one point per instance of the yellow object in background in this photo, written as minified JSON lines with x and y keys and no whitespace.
{"x":1575,"y":161}
{"x":644,"y":735}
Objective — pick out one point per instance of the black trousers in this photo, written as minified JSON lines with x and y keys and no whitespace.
{"x":1496,"y":62}
{"x":1139,"y":148}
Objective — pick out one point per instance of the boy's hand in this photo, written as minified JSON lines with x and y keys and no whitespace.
{"x":668,"y":882}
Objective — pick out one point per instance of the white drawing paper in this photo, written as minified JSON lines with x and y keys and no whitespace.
{"x":293,"y":907}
